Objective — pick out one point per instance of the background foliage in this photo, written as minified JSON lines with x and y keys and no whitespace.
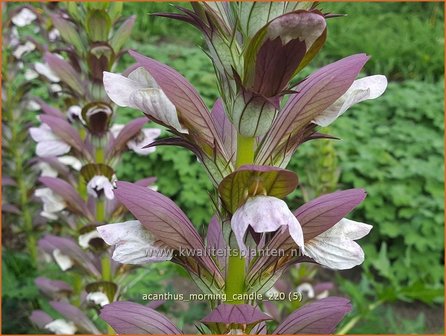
{"x":392,"y":146}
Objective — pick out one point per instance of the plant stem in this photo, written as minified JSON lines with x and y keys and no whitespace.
{"x":24,"y":201}
{"x":245,"y":150}
{"x":100,"y":210}
{"x":106,"y":268}
{"x":235,"y":274}
{"x":82,"y":187}
{"x":235,"y":279}
{"x":99,"y":154}
{"x":100,"y":217}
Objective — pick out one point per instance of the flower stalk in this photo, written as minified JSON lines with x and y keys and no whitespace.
{"x":235,"y":276}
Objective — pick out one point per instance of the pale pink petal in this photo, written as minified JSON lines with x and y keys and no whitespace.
{"x":366,"y":88}
{"x":133,"y":243}
{"x":265,"y":214}
{"x":335,"y":248}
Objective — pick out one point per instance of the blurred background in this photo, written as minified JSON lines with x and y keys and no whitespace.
{"x":392,"y":147}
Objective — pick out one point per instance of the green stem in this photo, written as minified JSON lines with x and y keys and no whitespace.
{"x":99,"y":154}
{"x":100,"y":210}
{"x":245,"y":150}
{"x":235,"y":274}
{"x":82,"y":187}
{"x":106,"y":268}
{"x":235,"y":279}
{"x":21,"y":185}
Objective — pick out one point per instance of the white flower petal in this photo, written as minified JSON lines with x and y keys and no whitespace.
{"x":55,"y":88}
{"x":352,"y":229}
{"x":52,"y":148}
{"x":133,"y":243}
{"x":85,"y":238}
{"x":70,"y":161}
{"x":53,"y":34}
{"x":48,"y":215}
{"x":30,"y":75}
{"x":150,"y":135}
{"x":322,"y":295}
{"x":100,"y":183}
{"x":32,"y":105}
{"x":45,"y":71}
{"x":61,"y":327}
{"x":265,"y":214}
{"x":335,"y":247}
{"x":155,"y":102}
{"x":98,"y":298}
{"x":140,"y":91}
{"x":24,"y":17}
{"x":52,"y":203}
{"x":366,"y":88}
{"x":23,"y":49}
{"x":142,"y":76}
{"x":42,"y":133}
{"x":75,"y":113}
{"x":48,"y":144}
{"x":120,"y":88}
{"x":306,"y":287}
{"x":62,"y":260}
{"x":47,"y":170}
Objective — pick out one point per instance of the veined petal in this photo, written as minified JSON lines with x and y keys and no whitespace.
{"x":155,"y":103}
{"x":320,"y":317}
{"x":265,"y":214}
{"x":366,"y":88}
{"x":141,"y":91}
{"x":335,"y":248}
{"x":142,"y":76}
{"x":352,"y":229}
{"x":134,"y":318}
{"x":120,"y":88}
{"x":133,"y":243}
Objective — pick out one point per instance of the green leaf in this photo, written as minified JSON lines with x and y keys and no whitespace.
{"x":98,"y":25}
{"x":68,"y":32}
{"x":75,"y":11}
{"x":115,"y":10}
{"x":122,"y":35}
